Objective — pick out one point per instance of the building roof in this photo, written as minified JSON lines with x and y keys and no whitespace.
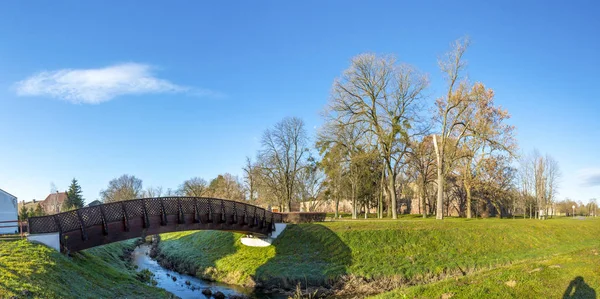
{"x":94,"y":203}
{"x":29,"y":205}
{"x":8,"y":194}
{"x":59,"y":196}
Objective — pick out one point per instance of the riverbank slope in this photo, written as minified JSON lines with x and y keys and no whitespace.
{"x":35,"y":271}
{"x":372,"y":256}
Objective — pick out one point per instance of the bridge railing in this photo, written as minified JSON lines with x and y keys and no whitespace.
{"x":81,"y":219}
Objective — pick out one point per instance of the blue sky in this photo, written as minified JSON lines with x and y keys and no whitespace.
{"x":177,"y":89}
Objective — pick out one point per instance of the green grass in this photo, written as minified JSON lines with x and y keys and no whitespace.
{"x":94,"y":273}
{"x":554,"y":277}
{"x":409,"y":251}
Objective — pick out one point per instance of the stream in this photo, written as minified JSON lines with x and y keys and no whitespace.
{"x":179,"y":288}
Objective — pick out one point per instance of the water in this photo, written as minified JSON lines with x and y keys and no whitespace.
{"x":164,"y":277}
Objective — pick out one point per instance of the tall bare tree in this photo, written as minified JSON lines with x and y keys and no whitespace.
{"x":422,"y":167}
{"x":540,"y":178}
{"x":311,"y":185}
{"x":384,"y":97}
{"x":250,"y":178}
{"x":151,"y":192}
{"x":282,"y":157}
{"x":466,"y":115}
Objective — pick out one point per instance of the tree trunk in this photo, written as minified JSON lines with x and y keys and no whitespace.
{"x":423,"y":204}
{"x":440,"y":174}
{"x":392,"y":186}
{"x":388,"y":203}
{"x":380,"y":204}
{"x":337,"y":206}
{"x":440,"y":196}
{"x":353,"y":203}
{"x":468,"y":190}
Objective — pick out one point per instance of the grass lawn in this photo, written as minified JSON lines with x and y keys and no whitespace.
{"x":571,"y":275}
{"x":410,"y":251}
{"x":45,"y":273}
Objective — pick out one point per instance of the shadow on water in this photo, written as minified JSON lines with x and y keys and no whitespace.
{"x":309,"y":254}
{"x":579,"y":289}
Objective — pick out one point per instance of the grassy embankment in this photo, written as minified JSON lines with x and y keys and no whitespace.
{"x":572,"y":275}
{"x":35,"y":271}
{"x":379,"y":255}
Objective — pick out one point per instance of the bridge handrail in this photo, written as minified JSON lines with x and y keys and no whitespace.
{"x":83,"y":218}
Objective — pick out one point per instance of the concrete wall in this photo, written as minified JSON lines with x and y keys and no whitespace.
{"x":8,"y":212}
{"x":51,"y":240}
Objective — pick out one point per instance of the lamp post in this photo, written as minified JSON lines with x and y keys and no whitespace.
{"x":573,"y":211}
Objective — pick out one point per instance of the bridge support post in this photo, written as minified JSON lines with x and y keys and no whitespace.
{"x":197,"y":218}
{"x":163,"y":220}
{"x":104,"y":222}
{"x":84,"y":235}
{"x":210,"y":211}
{"x":125,"y":217}
{"x":180,"y":216}
{"x":145,"y":211}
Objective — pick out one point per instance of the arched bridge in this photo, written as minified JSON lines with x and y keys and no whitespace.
{"x":102,"y":224}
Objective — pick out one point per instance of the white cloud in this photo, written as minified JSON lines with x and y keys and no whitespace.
{"x":589,"y":177}
{"x":94,"y":86}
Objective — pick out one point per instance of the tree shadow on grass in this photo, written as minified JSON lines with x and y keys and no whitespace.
{"x":579,"y":289}
{"x":306,"y":254}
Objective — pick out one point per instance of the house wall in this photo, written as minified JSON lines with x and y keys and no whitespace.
{"x":8,"y":212}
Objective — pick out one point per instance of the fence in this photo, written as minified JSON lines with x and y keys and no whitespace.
{"x":19,"y":226}
{"x":303,"y":217}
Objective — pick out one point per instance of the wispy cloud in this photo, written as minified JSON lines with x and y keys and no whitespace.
{"x":590,"y":177}
{"x":94,"y":86}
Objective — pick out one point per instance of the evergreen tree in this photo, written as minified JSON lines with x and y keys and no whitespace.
{"x":74,"y":198}
{"x":37,"y":212}
{"x":24,"y":213}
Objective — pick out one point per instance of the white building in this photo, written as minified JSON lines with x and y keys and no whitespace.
{"x":8,"y":212}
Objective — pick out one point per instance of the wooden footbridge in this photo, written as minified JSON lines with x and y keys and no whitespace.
{"x":102,"y":224}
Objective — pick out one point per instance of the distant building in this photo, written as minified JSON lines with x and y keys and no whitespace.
{"x":29,"y":205}
{"x":53,"y":204}
{"x":8,"y":212}
{"x":94,"y":203}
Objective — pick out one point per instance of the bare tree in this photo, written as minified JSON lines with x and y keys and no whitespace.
{"x":343,"y":145}
{"x":282,"y":157}
{"x":54,"y":204}
{"x":123,"y":188}
{"x":539,"y":177}
{"x":250,"y":179}
{"x":384,"y":97}
{"x":152,"y":192}
{"x":422,"y":165}
{"x":466,"y":116}
{"x":195,"y":187}
{"x":311,"y":185}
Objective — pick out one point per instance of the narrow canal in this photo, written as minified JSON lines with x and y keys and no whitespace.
{"x":187,"y":287}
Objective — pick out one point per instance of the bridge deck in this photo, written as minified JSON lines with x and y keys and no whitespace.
{"x":97,"y":225}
